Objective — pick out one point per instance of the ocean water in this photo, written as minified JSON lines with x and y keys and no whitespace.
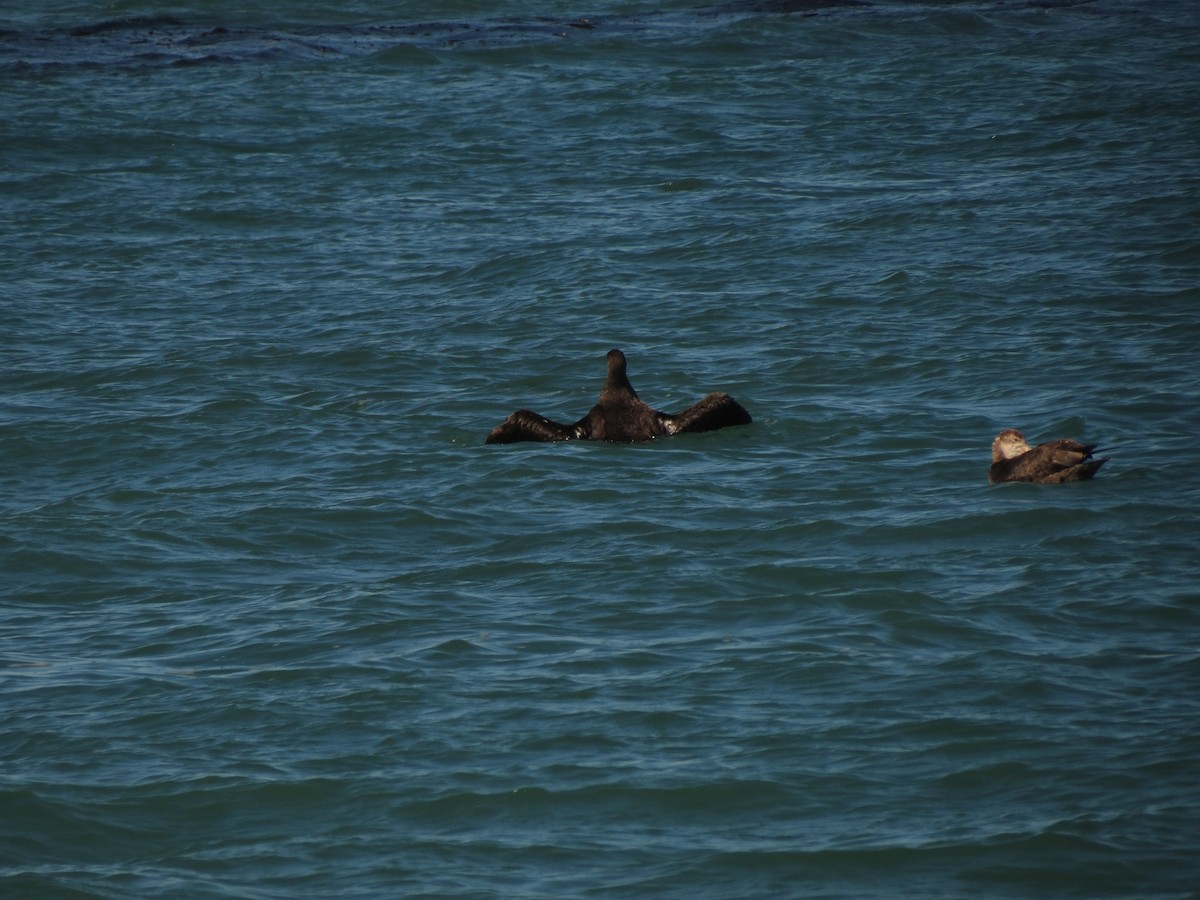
{"x":277,"y":624}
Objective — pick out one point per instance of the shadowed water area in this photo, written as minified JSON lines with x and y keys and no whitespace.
{"x":278,"y":624}
{"x":161,"y":39}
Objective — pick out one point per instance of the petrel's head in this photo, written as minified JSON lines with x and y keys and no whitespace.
{"x":616,"y":362}
{"x":1009,"y":444}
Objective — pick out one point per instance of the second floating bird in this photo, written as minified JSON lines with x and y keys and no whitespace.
{"x":1054,"y":462}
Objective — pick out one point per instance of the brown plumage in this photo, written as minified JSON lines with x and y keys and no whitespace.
{"x":1054,"y":462}
{"x":620,"y":416}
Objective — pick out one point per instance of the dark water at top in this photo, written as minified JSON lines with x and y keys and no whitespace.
{"x":277,"y":624}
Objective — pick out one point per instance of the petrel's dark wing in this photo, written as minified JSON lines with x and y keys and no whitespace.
{"x":1081,"y":472}
{"x":717,"y":410}
{"x":525,"y":425}
{"x":1065,"y":452}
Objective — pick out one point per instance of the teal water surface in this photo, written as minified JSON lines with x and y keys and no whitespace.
{"x":277,"y":624}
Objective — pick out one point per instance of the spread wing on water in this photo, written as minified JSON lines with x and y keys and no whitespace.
{"x":717,"y":410}
{"x":526,"y":425}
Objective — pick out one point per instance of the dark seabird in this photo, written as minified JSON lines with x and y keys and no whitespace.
{"x":1054,"y":462}
{"x":621,"y":417}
